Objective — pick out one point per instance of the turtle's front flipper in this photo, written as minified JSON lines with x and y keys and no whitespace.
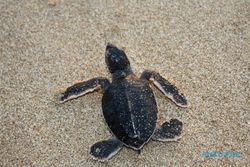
{"x":82,"y":88}
{"x":169,"y":131}
{"x":105,"y":149}
{"x":165,"y":87}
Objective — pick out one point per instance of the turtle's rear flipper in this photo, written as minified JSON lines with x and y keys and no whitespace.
{"x":82,"y":88}
{"x":165,"y":87}
{"x":169,"y":131}
{"x":105,"y":149}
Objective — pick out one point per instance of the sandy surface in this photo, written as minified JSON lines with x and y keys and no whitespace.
{"x":45,"y":46}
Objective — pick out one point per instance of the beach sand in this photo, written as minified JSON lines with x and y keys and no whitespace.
{"x":46,"y":46}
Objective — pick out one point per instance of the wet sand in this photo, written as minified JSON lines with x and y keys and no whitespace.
{"x":46,"y":46}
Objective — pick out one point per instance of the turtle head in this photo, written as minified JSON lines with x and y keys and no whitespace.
{"x":116,"y":59}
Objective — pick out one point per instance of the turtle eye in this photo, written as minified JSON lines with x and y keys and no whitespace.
{"x":112,"y":57}
{"x":115,"y":58}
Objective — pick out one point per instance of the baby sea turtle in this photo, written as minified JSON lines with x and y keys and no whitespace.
{"x":129,"y":106}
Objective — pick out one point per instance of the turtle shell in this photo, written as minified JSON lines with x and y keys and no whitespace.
{"x":130,"y":110}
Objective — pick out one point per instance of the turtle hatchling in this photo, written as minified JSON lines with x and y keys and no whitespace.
{"x":129,"y":106}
